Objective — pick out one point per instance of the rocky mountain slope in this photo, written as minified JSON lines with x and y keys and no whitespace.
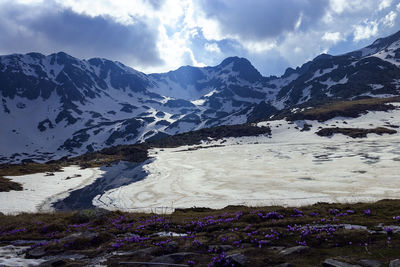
{"x":56,"y":105}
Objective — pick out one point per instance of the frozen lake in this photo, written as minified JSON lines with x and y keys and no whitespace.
{"x":333,"y":170}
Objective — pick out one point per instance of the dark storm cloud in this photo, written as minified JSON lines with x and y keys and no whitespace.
{"x":26,"y":28}
{"x":261,"y":19}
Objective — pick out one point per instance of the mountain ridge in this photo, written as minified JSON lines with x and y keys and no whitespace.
{"x":57,"y":105}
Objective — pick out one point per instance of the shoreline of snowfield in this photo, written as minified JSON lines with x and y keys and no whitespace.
{"x":288,"y":168}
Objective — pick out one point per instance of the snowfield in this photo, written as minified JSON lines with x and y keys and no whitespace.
{"x":41,"y":189}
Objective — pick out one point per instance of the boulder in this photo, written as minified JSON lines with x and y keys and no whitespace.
{"x":36,"y":253}
{"x":54,"y":263}
{"x":79,"y":235}
{"x":294,"y":250}
{"x":220,"y":248}
{"x":394,"y":263}
{"x":173,"y":258}
{"x":336,"y":263}
{"x":237,"y":259}
{"x":370,"y":263}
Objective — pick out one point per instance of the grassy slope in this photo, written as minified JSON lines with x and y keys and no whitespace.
{"x":242,"y":228}
{"x":351,"y":109}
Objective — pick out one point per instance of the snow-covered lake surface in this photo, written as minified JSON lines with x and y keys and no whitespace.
{"x":265,"y":174}
{"x":292,"y":167}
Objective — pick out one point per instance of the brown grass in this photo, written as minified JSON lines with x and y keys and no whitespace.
{"x":352,"y":109}
{"x":8,"y":185}
{"x":355,"y":132}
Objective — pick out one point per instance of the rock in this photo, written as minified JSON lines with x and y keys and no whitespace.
{"x":84,"y":216}
{"x":237,"y":259}
{"x":79,"y":235}
{"x":54,"y":263}
{"x":220,"y":248}
{"x":294,"y":250}
{"x":36,"y":253}
{"x":370,"y":263}
{"x":266,"y":242}
{"x":139,"y":253}
{"x":276,"y":248}
{"x":394,"y":263}
{"x":171,"y":247}
{"x":283,"y":265}
{"x":336,"y":263}
{"x":173,"y":258}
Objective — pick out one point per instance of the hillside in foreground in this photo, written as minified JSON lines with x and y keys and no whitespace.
{"x":317,"y":235}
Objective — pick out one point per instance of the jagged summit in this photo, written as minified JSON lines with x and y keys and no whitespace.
{"x":243,"y":66}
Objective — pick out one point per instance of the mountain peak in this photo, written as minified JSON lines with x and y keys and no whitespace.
{"x":243,"y":66}
{"x":235,"y":60}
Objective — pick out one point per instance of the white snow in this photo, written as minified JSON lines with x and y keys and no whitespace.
{"x":376,"y":86}
{"x":41,"y":190}
{"x":329,"y":82}
{"x":13,"y":256}
{"x":322,"y":72}
{"x":389,"y":54}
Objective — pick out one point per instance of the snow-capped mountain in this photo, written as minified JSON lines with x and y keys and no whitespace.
{"x":57,"y":105}
{"x":369,"y":72}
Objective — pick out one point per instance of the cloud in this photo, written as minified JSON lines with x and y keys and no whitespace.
{"x":385,"y":4}
{"x":344,"y":6}
{"x":212,"y":47}
{"x":333,"y":37}
{"x":389,"y":19}
{"x":365,"y":31}
{"x":259,"y":20}
{"x":25,"y":28}
{"x":161,"y":35}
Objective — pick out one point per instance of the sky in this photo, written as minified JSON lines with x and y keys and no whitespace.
{"x":159,"y":36}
